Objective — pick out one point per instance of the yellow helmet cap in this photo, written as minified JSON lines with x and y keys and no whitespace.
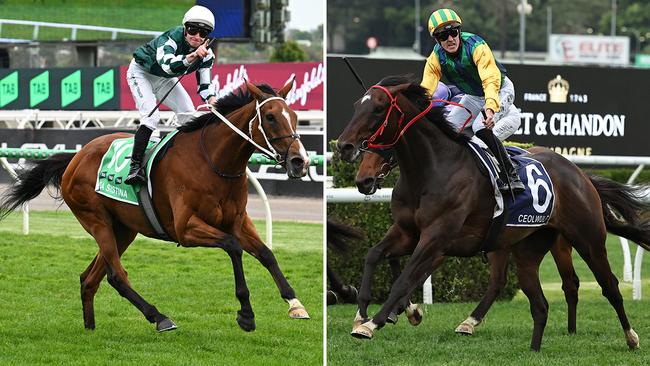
{"x":442,"y":17}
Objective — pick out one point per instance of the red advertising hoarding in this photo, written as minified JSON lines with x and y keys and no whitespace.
{"x":307,"y":93}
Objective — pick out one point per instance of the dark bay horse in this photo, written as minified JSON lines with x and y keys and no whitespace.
{"x":374,"y":167}
{"x":199,"y":191}
{"x":442,"y":204}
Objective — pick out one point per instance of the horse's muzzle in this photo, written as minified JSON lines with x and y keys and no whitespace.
{"x":367,"y":185}
{"x":347,"y":151}
{"x":297,"y":166}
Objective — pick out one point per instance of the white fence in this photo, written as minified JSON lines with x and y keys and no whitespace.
{"x":630,"y":273}
{"x":74,"y":28}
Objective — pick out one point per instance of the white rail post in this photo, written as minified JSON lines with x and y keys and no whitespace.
{"x":267,"y":207}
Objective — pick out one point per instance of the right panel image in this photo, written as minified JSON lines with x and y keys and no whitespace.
{"x":480,"y":175}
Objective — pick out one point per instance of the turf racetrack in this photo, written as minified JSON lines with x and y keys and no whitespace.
{"x":504,"y":337}
{"x":40,"y":308}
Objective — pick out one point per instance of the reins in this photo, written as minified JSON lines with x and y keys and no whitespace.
{"x":370,"y":144}
{"x":271,"y":153}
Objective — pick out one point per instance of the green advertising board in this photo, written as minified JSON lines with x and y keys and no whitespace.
{"x":70,"y":88}
{"x":88,"y":88}
{"x":103,"y":88}
{"x":8,"y":88}
{"x":39,"y":88}
{"x":642,"y":60}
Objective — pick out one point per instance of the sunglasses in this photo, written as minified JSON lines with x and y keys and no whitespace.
{"x":192,"y":31}
{"x":442,"y":36}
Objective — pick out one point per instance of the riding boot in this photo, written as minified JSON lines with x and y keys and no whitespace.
{"x":508,"y":171}
{"x":136,"y":174}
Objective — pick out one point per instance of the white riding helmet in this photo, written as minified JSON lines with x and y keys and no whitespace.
{"x":199,"y":16}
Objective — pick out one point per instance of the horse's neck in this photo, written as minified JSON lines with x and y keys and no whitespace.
{"x":229,"y":151}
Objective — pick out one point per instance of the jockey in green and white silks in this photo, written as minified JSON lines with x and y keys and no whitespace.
{"x":155,"y":68}
{"x":466,"y":61}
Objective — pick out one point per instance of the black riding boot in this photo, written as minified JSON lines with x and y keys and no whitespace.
{"x":508,"y":169}
{"x":136,"y":175}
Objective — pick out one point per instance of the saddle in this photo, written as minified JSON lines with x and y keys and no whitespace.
{"x":114,"y":168}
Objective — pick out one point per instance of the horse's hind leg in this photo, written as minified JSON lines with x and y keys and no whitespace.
{"x":528,"y":255}
{"x":98,"y":224}
{"x":93,"y":275}
{"x":561,"y":252}
{"x":591,"y":247}
{"x":252,"y":244}
{"x":498,"y":270}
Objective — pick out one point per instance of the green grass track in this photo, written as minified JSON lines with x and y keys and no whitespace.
{"x":40,"y":309}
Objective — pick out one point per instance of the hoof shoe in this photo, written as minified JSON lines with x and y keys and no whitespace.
{"x":632,"y":339}
{"x":465,"y":328}
{"x":361,"y":332}
{"x":165,"y":325}
{"x":415,"y":318}
{"x":298,"y":312}
{"x":246,"y":323}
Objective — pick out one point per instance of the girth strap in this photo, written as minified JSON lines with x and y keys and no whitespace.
{"x":146,"y":203}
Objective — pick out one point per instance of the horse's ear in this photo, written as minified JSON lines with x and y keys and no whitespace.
{"x":287,"y":88}
{"x":254,"y":90}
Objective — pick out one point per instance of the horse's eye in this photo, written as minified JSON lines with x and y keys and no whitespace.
{"x":270,"y":118}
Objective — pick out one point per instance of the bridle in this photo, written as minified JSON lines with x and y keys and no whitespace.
{"x":269,"y":151}
{"x":401,"y":129}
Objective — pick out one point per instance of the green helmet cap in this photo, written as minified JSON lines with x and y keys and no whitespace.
{"x":442,"y":17}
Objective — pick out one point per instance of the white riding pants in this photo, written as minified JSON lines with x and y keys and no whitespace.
{"x":147,"y":88}
{"x":506,"y":120}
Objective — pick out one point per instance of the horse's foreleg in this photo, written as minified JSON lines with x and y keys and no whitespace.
{"x":498,"y":269}
{"x":196,"y":233}
{"x":561,"y":251}
{"x":396,"y":243}
{"x":348,"y":293}
{"x":416,"y":271}
{"x":252,"y":244}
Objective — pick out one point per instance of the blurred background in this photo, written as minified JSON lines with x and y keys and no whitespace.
{"x":63,"y":65}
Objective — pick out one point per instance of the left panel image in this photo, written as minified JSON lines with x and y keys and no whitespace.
{"x":160,"y":127}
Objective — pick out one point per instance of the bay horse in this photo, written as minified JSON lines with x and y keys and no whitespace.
{"x":199,"y":192}
{"x":374,"y":167}
{"x":442,"y":204}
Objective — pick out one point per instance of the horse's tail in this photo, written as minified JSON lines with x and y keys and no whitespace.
{"x":626,"y":211}
{"x":338,"y":234}
{"x":31,"y":182}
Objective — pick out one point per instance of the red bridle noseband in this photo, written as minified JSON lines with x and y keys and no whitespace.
{"x":369,"y":144}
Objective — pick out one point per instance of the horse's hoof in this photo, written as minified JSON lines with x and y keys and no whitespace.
{"x":246,"y":323}
{"x":298,"y":312}
{"x":632,"y":339}
{"x":465,"y":328}
{"x":361,"y":332}
{"x":165,"y":325}
{"x":415,"y":317}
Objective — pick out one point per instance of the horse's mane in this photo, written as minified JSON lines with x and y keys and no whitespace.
{"x":418,"y":95}
{"x":226,"y":105}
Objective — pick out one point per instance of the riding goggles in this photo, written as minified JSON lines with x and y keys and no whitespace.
{"x":192,"y":31}
{"x":444,"y":34}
